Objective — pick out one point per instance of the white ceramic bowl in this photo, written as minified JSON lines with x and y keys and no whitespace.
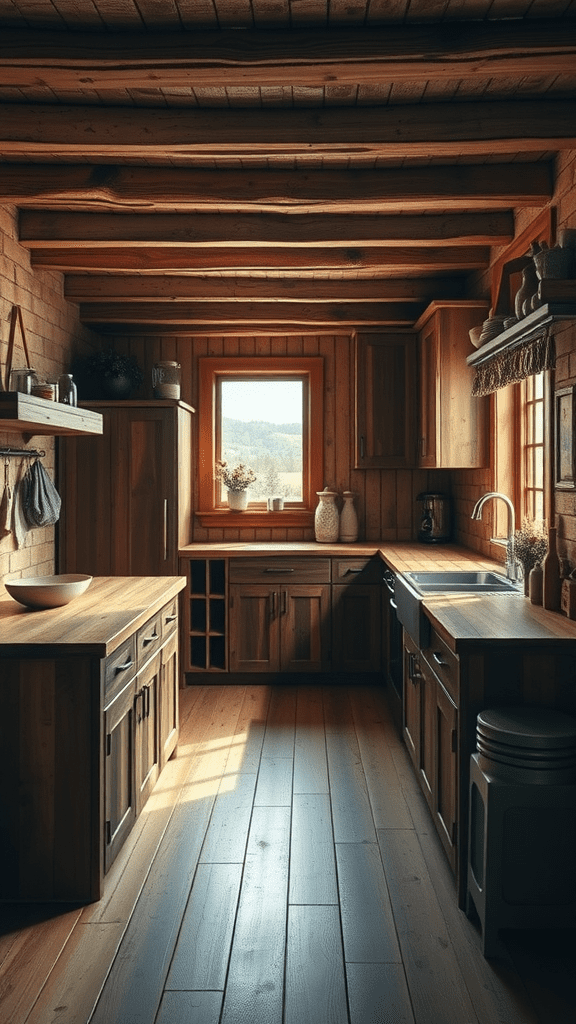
{"x":47,"y":591}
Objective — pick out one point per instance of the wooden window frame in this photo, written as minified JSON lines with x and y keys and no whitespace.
{"x":213,"y":368}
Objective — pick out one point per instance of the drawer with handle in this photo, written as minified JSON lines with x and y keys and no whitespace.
{"x":357,"y":570}
{"x":444,"y":663}
{"x":169,"y":618}
{"x":279,"y":570}
{"x":149,"y":638}
{"x":119,"y":667}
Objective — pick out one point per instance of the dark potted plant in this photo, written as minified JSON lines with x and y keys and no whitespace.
{"x":108,"y":374}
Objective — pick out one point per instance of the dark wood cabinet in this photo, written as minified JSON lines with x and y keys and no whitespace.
{"x":88,"y":735}
{"x":276,"y":625}
{"x":430,"y":731}
{"x":452,"y":423}
{"x":385,"y":393}
{"x":126,"y":496}
{"x":356,"y":614}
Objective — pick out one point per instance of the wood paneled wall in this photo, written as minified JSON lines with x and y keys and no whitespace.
{"x":386,"y":499}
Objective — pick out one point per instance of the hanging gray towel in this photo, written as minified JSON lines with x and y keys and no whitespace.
{"x":6,"y":504}
{"x":19,"y":524}
{"x":41,"y":499}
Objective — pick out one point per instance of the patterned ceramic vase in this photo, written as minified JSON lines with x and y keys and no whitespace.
{"x":326,"y":521}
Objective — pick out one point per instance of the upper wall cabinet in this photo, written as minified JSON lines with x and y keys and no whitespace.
{"x":453,"y":425}
{"x":385,"y":400}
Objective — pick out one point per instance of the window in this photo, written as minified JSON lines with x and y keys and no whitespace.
{"x":267,"y":414}
{"x":521,"y":471}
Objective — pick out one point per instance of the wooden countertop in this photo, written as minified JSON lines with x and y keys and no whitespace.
{"x":96,"y":623}
{"x":463,"y":619}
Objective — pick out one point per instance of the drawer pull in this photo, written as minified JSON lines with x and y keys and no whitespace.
{"x":126,"y":665}
{"x":171,"y":618}
{"x":438,"y":659}
{"x":279,"y":572}
{"x":349,"y":571}
{"x":150,"y":639}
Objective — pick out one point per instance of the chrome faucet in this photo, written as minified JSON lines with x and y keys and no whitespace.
{"x":511,"y":562}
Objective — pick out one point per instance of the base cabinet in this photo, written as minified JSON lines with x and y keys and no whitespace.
{"x":430,"y":731}
{"x":279,"y":629}
{"x":282,"y":614}
{"x":87,"y":738}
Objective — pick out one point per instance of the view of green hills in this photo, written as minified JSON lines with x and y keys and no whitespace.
{"x":272,"y":450}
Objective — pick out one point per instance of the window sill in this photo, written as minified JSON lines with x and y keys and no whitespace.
{"x":222,"y":518}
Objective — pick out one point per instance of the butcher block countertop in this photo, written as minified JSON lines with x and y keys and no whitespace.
{"x":95,"y":623}
{"x":463,"y":619}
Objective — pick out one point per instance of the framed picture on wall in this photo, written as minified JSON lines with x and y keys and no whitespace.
{"x":564,"y":428}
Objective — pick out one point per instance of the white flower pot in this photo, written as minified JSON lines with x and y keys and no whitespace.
{"x":238,"y":501}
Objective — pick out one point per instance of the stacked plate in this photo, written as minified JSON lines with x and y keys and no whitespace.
{"x":491,"y":328}
{"x":528,"y":744}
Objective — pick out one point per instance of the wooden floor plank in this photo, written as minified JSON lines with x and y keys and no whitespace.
{"x":254,"y":990}
{"x":378,"y":994}
{"x":201,"y":956}
{"x":375,"y":733}
{"x":190,"y":1008}
{"x":280,"y":724}
{"x":312,"y":861}
{"x":310,"y":764}
{"x":437,"y":987}
{"x":29,"y":956}
{"x":274,"y":787}
{"x":315,"y":987}
{"x":246,"y":748}
{"x":228,"y":829}
{"x":351,"y":810}
{"x":367,"y":920}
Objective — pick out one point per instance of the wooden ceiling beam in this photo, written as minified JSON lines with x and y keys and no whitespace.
{"x":105,"y":187}
{"x":378,"y":260}
{"x":46,"y":228}
{"x":198,"y":313}
{"x":431,"y":130}
{"x":132,"y":60}
{"x":129,"y":288}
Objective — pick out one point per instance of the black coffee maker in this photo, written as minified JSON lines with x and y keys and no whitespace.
{"x":435,"y":522}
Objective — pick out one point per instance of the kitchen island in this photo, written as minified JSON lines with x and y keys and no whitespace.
{"x":89,"y":696}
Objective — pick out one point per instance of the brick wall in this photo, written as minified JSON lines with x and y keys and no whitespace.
{"x":53,"y":334}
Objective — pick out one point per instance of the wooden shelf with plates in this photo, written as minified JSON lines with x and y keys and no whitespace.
{"x":529,"y":327}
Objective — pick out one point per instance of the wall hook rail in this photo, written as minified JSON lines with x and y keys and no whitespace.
{"x":23,"y":453}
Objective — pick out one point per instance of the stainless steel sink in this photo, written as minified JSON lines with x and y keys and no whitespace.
{"x":482,"y":582}
{"x":412,"y":587}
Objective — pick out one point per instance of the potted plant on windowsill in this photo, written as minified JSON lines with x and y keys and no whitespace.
{"x":237,"y":481}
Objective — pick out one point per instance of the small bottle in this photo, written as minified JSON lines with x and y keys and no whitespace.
{"x":551,"y":581}
{"x":68,"y":393}
{"x":348,"y":519}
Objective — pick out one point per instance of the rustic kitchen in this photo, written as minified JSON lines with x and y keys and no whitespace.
{"x":367,"y":675}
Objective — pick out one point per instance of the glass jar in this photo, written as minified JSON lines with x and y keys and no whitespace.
{"x":166,"y":379}
{"x":67,"y":392}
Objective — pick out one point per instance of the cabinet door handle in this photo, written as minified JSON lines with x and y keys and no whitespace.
{"x":284,"y":602}
{"x":137,"y":711}
{"x":147,"y":711}
{"x":362,"y":446}
{"x":165,"y":529}
{"x":438,"y":659}
{"x":273,"y":605}
{"x":124,"y":666}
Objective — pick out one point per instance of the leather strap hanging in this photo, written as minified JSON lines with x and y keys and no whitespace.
{"x":15,"y":318}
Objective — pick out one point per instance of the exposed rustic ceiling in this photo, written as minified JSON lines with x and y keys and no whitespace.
{"x":272,"y":166}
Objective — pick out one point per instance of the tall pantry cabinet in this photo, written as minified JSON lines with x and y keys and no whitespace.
{"x":127,"y":495}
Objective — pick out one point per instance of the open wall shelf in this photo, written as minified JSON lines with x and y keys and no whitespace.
{"x":30,"y":415}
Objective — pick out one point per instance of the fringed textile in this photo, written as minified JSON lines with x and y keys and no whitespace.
{"x":509,"y":367}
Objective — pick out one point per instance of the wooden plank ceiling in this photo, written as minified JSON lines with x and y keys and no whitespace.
{"x":277,"y":166}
